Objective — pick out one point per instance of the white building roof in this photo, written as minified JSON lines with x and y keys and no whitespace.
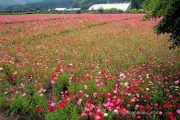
{"x":65,"y":9}
{"x":60,"y":9}
{"x":119,"y":6}
{"x":73,"y":9}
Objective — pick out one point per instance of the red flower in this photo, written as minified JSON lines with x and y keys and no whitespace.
{"x":149,"y":107}
{"x":167,"y":106}
{"x":117,"y":117}
{"x":86,"y":99}
{"x":142,"y":108}
{"x":156,"y":104}
{"x":122,"y":110}
{"x":41,"y":109}
{"x":105,"y":83}
{"x":53,"y":77}
{"x":171,"y":116}
{"x":61,"y":105}
{"x":133,"y":115}
{"x":9,"y":100}
{"x":103,"y":72}
{"x":65,"y":98}
{"x":51,"y":108}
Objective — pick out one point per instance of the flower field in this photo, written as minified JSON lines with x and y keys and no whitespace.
{"x":87,"y":67}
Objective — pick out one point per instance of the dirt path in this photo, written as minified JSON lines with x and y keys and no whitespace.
{"x":2,"y":116}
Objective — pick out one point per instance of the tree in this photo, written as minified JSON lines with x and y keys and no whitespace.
{"x":170,"y":23}
{"x":136,"y":4}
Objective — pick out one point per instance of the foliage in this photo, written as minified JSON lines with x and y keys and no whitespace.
{"x":170,"y":23}
{"x":136,"y":4}
{"x":68,"y":113}
{"x":157,"y":7}
{"x":114,"y":10}
{"x":135,"y":11}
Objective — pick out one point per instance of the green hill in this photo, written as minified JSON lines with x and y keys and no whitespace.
{"x":51,"y":4}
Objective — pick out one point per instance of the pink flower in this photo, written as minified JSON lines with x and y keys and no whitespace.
{"x":52,"y":105}
{"x":105,"y":105}
{"x":83,"y":114}
{"x":22,"y":86}
{"x":139,"y":117}
{"x":98,"y":85}
{"x":98,"y":110}
{"x":17,"y":92}
{"x":79,"y":102}
{"x":91,"y":106}
{"x":52,"y":82}
{"x":15,"y":74}
{"x":1,"y":69}
{"x":178,"y":111}
{"x":156,"y":104}
{"x":176,"y":82}
{"x":115,"y":91}
{"x":97,"y":117}
{"x":24,"y":94}
{"x":96,"y":79}
{"x":170,"y":96}
{"x":41,"y":94}
{"x":95,"y":94}
{"x":90,"y":113}
{"x":81,"y":92}
{"x":160,"y":113}
{"x":137,"y":105}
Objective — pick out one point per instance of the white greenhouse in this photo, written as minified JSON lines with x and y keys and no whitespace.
{"x":119,"y":6}
{"x":60,"y":9}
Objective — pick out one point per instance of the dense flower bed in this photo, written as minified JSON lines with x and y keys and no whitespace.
{"x":87,"y":66}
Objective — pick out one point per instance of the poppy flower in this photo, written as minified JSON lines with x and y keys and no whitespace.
{"x":171,"y":116}
{"x":41,"y":109}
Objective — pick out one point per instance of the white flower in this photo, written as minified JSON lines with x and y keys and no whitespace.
{"x":126,"y":84}
{"x":147,"y":89}
{"x":147,"y":76}
{"x":105,"y":114}
{"x":85,"y":86}
{"x":86,"y":95}
{"x":122,"y":76}
{"x":115,"y":111}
